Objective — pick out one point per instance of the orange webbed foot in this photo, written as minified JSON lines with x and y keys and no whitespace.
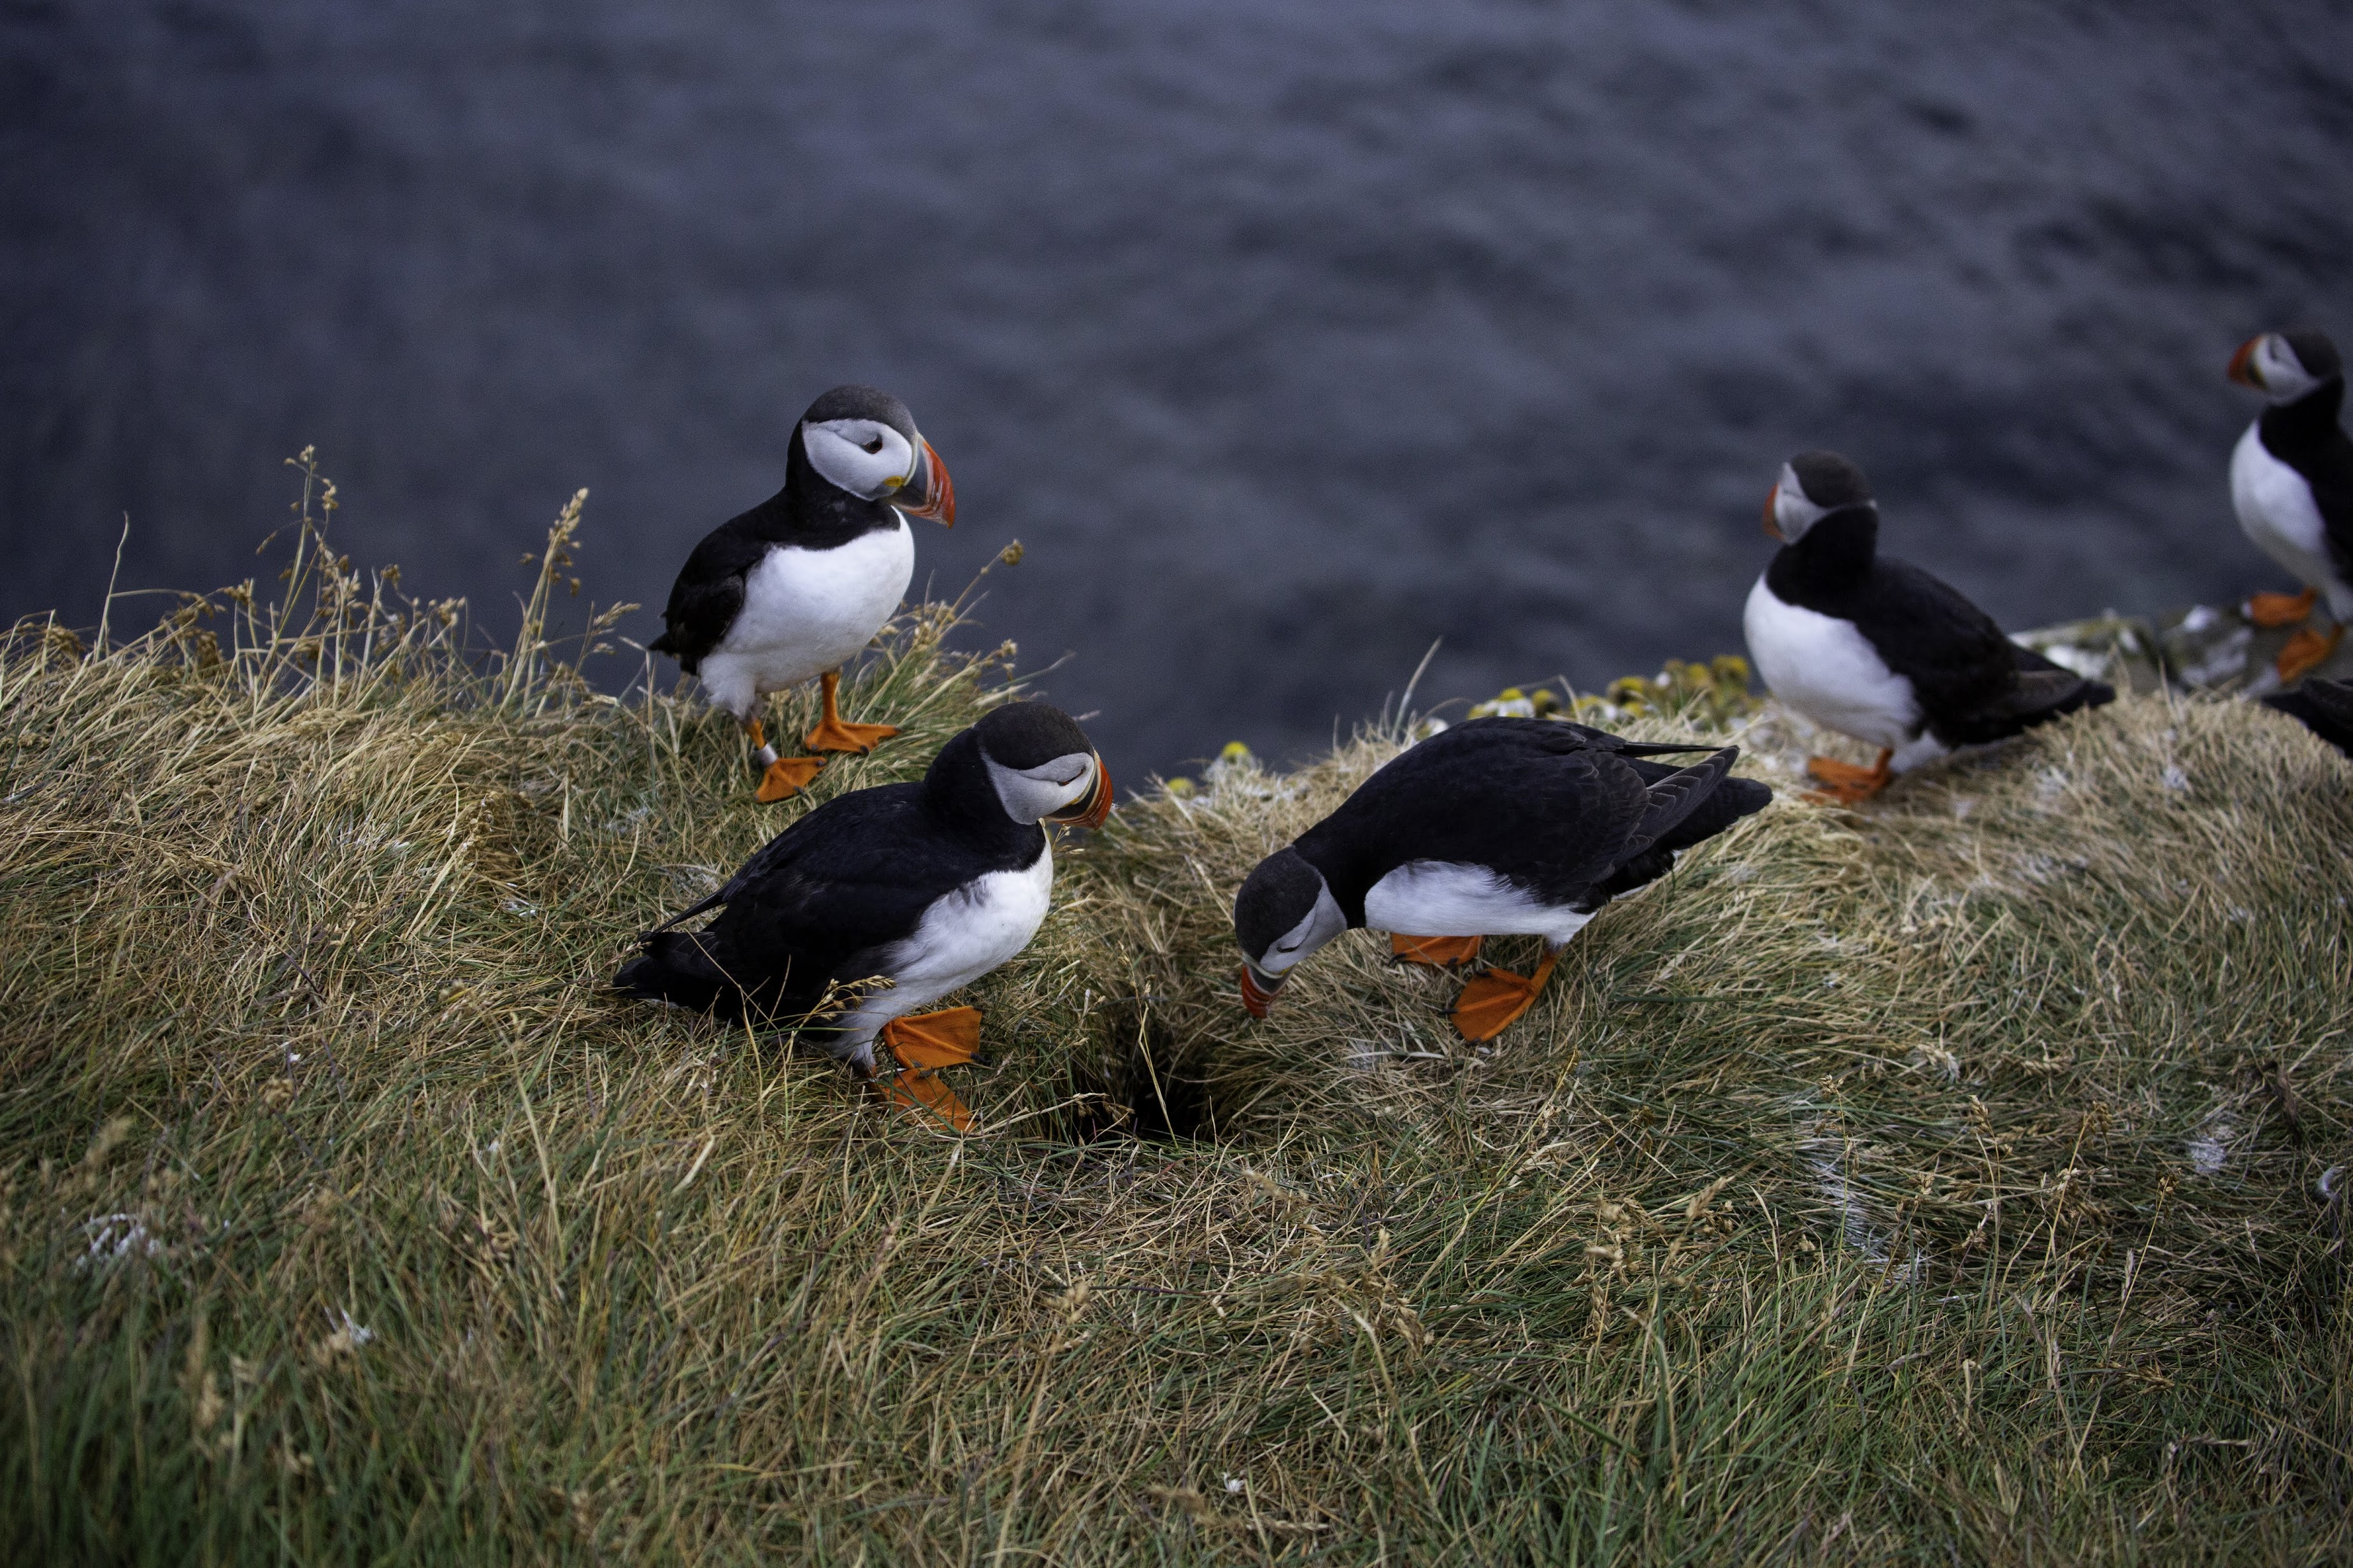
{"x":1493,"y":1002}
{"x":787,"y":776}
{"x":836,"y":734}
{"x":1438,"y":951}
{"x":2274,"y":610}
{"x":924,"y":1043}
{"x":2306,"y":651}
{"x":1845,"y":783}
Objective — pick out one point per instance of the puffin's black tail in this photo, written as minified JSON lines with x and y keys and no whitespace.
{"x":2074,"y":693}
{"x":675,"y":967}
{"x":1705,"y":812}
{"x":1675,"y":795}
{"x":2325,"y":707}
{"x":2042,"y":691}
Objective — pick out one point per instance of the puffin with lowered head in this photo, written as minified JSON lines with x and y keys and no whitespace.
{"x":1496,"y":827}
{"x":795,"y":587}
{"x":2292,"y":486}
{"x":883,"y":901}
{"x":1879,"y":649}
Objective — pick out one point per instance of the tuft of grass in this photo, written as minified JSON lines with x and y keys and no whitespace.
{"x":1960,"y":1177}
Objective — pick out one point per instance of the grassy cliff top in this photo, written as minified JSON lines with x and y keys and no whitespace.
{"x":1963,"y":1175}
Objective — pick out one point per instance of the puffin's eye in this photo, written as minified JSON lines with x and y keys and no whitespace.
{"x":871,"y":443}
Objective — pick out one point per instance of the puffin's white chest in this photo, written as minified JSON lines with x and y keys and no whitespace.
{"x":808,"y":610}
{"x":1828,"y":670}
{"x":2275,"y":507}
{"x":1438,"y":898}
{"x":967,"y":933}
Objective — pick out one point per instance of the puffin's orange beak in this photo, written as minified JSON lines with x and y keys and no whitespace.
{"x":1256,"y":998}
{"x":1090,"y":809}
{"x":936,"y":500}
{"x":1772,"y":509}
{"x":2242,"y":363}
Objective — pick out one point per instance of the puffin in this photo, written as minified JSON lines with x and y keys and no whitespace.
{"x":882,"y":900}
{"x":2292,"y":486}
{"x":1497,"y":827}
{"x":1879,"y":649}
{"x":2322,"y":707}
{"x":798,"y":584}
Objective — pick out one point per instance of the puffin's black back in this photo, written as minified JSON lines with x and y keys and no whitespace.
{"x":1552,"y":807}
{"x":1973,"y":684}
{"x":822,"y":902}
{"x":2305,"y":435}
{"x":810,"y":513}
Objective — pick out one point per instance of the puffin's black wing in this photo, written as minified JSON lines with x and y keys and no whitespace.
{"x":1955,"y":656}
{"x":2331,"y":479}
{"x":2324,"y":707}
{"x":818,"y":903}
{"x":2305,"y":436}
{"x":709,"y":592}
{"x":1973,"y":683}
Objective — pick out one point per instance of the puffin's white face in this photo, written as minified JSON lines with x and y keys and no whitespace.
{"x":1050,"y":789}
{"x":864,"y":457}
{"x":1788,"y":513}
{"x":2268,"y":365}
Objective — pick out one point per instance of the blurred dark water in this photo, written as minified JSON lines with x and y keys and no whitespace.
{"x":1288,"y":337}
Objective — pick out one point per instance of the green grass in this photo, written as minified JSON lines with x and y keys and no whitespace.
{"x":1939,"y":1182}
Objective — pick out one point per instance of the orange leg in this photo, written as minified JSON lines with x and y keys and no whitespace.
{"x":833,"y":733}
{"x":2307,"y":650}
{"x":779,"y":776}
{"x":1493,"y":1002}
{"x":1847,"y":784}
{"x":2272,"y":610}
{"x":1438,"y":951}
{"x":924,"y":1043}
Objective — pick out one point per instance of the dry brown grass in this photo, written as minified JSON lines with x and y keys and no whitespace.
{"x":1940,"y":1180}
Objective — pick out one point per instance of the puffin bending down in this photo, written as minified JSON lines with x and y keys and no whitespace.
{"x":1878,"y":650}
{"x":2292,"y":486}
{"x":797,"y":586}
{"x":2322,"y":707}
{"x":1499,"y":827}
{"x":927,"y":885}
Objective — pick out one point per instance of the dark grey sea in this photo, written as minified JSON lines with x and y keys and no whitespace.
{"x":1288,"y":337}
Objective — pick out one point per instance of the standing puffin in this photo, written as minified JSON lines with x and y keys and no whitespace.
{"x":1499,"y":827}
{"x":2292,"y":486}
{"x":797,"y":586}
{"x":927,"y":885}
{"x":1878,"y":650}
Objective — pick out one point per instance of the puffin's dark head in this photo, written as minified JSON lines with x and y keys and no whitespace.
{"x":865,"y":442}
{"x":1812,"y":485}
{"x":2283,"y":366}
{"x":1043,"y":766}
{"x":1285,"y":912}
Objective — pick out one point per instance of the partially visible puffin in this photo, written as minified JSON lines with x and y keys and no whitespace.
{"x":2322,"y":707}
{"x":2292,"y":485}
{"x":1499,"y":827}
{"x":797,"y":586}
{"x":927,"y":885}
{"x":1878,"y":650}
